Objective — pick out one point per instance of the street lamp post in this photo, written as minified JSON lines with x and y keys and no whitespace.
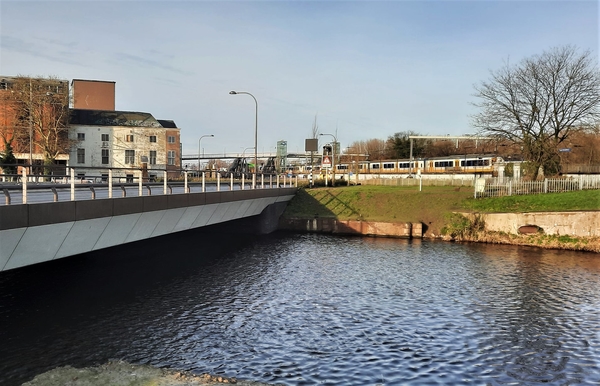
{"x":255,"y":134}
{"x":199,"y":149}
{"x":332,"y":157}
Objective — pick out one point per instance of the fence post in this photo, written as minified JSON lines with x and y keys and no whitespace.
{"x":580,"y":182}
{"x":203,"y":182}
{"x":545,"y":185}
{"x":218,"y":182}
{"x":510,"y":188}
{"x":185,"y":183}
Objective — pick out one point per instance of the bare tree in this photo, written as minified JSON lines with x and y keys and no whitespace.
{"x":540,"y":102}
{"x":41,"y":112}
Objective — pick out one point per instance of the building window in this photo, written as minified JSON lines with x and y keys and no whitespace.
{"x":105,"y":137}
{"x":104,"y":156}
{"x":129,"y":156}
{"x":81,"y":136}
{"x":129,"y":138}
{"x":152,"y":157}
{"x":171,"y":157}
{"x":80,"y":156}
{"x":153,"y":138}
{"x":171,"y":139}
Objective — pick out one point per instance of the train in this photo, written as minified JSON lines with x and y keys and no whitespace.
{"x":480,"y":164}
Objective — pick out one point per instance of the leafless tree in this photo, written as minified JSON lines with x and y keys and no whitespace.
{"x":540,"y":102}
{"x":41,"y":115}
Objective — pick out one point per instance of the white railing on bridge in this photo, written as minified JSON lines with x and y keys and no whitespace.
{"x":26,"y":186}
{"x":494,"y":187}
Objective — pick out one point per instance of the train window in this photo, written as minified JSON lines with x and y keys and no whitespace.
{"x":443,"y":164}
{"x":361,"y":166}
{"x":388,"y":166}
{"x":374,"y":166}
{"x":406,"y":165}
{"x":342,"y":167}
{"x":475,"y":162}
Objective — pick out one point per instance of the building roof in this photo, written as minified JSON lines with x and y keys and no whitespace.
{"x":167,"y":124}
{"x":117,"y":118}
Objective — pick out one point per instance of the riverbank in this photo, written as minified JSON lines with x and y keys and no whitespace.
{"x":119,"y":373}
{"x":438,"y":210}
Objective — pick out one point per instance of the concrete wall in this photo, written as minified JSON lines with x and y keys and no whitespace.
{"x":367,"y":228}
{"x":34,"y":233}
{"x":580,"y":224}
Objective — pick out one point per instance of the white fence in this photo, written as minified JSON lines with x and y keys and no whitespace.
{"x":494,"y":187}
{"x":456,"y":181}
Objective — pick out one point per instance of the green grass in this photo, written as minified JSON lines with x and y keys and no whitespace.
{"x":551,"y":202}
{"x":378,"y":203}
{"x":431,"y":206}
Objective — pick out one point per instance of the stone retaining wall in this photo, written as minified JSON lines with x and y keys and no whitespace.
{"x":579,"y":224}
{"x":367,"y":228}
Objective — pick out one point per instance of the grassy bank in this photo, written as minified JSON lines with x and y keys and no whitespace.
{"x":433,"y":207}
{"x":380,"y":203}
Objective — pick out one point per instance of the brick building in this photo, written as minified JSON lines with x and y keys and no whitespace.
{"x":99,"y":137}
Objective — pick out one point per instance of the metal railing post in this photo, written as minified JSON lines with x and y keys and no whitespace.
{"x":203,"y":182}
{"x":218,"y":182}
{"x":165,"y":182}
{"x":185,"y":183}
{"x":6,"y":196}
{"x":262,"y":181}
{"x":110,"y":183}
{"x":231,"y":182}
{"x":24,"y":181}
{"x":243,"y":181}
{"x":72,"y":184}
{"x":140,"y":190}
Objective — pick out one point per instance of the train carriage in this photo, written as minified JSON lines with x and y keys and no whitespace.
{"x":456,"y":164}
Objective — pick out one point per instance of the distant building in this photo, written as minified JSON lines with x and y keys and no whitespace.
{"x":29,"y":109}
{"x":97,"y":135}
{"x":93,"y":94}
{"x":125,"y":141}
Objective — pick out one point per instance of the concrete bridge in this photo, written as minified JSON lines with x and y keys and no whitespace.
{"x":36,"y":233}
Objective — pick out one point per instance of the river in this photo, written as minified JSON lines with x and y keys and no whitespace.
{"x":302,"y":309}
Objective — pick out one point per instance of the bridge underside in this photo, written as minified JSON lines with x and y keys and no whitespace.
{"x":36,"y":233}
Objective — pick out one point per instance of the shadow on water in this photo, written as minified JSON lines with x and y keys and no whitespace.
{"x":58,"y":290}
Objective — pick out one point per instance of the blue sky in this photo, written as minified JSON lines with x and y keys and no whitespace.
{"x":366,"y":69}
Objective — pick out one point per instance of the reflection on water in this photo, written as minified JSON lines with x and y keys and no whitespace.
{"x":312,"y":309}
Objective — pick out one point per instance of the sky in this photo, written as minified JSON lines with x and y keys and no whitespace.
{"x":363,"y":69}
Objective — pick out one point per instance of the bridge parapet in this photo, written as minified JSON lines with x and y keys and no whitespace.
{"x":33,"y":233}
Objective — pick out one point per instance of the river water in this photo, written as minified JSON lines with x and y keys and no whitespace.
{"x":312,"y":309}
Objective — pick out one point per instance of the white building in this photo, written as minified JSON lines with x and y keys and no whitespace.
{"x":123,"y":141}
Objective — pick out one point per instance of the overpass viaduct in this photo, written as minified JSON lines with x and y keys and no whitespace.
{"x":36,"y":233}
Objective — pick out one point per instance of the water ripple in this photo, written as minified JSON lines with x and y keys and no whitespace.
{"x":308,"y":309}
